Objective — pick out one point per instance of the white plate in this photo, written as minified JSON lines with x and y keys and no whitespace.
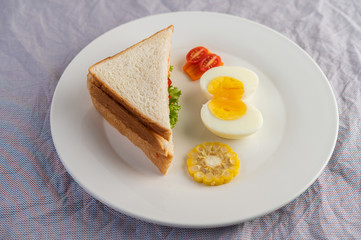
{"x":279,"y":162}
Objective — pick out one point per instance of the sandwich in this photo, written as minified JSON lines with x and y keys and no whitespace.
{"x":131,"y":91}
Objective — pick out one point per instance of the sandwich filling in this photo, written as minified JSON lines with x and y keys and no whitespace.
{"x":174,"y":107}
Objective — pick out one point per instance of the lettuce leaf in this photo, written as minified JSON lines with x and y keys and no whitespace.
{"x":174,"y":106}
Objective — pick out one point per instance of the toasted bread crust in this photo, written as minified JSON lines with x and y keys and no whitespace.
{"x":165,"y":133}
{"x":162,"y":162}
{"x":158,"y":143}
{"x":161,"y":130}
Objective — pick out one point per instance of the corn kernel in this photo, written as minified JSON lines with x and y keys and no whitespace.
{"x":198,"y":177}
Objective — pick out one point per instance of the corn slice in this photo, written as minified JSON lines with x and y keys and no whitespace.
{"x":213,"y":163}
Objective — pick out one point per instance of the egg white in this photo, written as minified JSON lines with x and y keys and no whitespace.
{"x":247,"y":77}
{"x":248,"y":124}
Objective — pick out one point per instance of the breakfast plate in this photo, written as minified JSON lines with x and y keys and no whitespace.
{"x":278,"y":163}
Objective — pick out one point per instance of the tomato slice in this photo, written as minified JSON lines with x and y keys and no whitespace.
{"x":196,"y":54}
{"x":169,"y":82}
{"x":210,"y":61}
{"x":192,"y":70}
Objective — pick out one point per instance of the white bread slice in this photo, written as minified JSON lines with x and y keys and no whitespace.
{"x":137,"y":78}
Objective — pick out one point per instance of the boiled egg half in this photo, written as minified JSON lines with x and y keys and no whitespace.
{"x":227,"y":113}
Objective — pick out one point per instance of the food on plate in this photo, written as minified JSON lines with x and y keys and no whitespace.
{"x":227,"y":114}
{"x":130,"y":90}
{"x":213,"y":163}
{"x":174,"y":94}
{"x":196,"y":54}
{"x":199,"y":60}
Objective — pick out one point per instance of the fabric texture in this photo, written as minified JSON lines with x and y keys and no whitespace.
{"x":40,"y":200}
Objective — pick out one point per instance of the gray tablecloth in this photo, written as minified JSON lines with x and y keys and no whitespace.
{"x":39,"y":199}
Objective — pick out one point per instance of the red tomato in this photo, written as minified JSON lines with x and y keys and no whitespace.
{"x":196,"y":54}
{"x":192,"y":70}
{"x":210,"y":61}
{"x":169,"y":82}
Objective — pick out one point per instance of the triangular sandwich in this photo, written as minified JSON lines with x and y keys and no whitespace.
{"x":130,"y":90}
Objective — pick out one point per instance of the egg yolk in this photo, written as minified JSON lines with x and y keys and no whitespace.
{"x":226,"y":87}
{"x":227,"y":93}
{"x":227,"y":109}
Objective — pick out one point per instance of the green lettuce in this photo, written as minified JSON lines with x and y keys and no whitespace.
{"x":174,"y":106}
